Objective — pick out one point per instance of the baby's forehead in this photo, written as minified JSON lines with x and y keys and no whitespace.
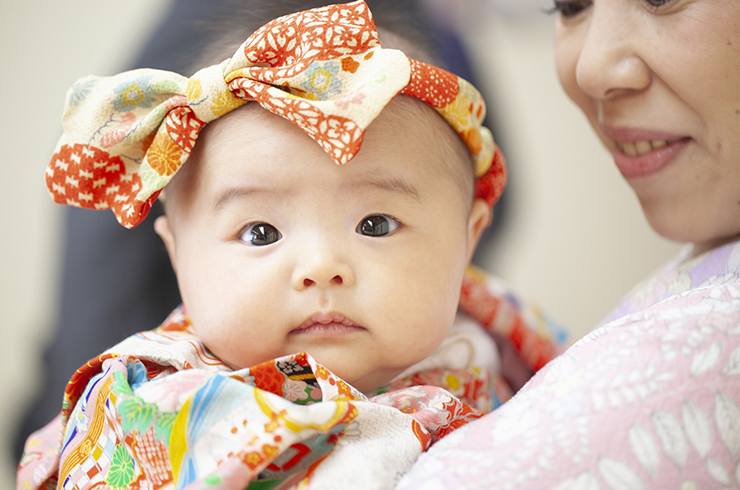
{"x":407,"y":128}
{"x":403,"y":115}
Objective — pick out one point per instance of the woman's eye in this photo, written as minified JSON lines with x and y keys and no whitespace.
{"x":570,"y":9}
{"x":377,"y":225}
{"x":260,"y":234}
{"x":656,"y":5}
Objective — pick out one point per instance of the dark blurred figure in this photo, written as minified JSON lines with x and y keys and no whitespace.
{"x":116,"y":282}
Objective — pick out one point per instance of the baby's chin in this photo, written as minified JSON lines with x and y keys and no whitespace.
{"x":366,"y":381}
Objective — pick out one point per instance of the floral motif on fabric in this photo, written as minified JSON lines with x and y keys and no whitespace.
{"x":164,"y":155}
{"x":134,"y":93}
{"x":322,"y":80}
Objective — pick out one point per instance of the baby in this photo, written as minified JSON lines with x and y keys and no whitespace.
{"x":314,"y":275}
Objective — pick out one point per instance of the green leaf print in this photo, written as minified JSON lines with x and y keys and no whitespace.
{"x":378,"y":78}
{"x":163,"y":427}
{"x":120,"y":384}
{"x":121,"y":472}
{"x":167,"y":86}
{"x":136,"y":414}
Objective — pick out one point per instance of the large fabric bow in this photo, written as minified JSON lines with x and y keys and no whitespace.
{"x":323,"y":69}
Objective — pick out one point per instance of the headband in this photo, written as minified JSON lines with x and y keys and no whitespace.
{"x":323,"y":69}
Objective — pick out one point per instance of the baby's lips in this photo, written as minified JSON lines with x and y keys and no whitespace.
{"x":326,"y":318}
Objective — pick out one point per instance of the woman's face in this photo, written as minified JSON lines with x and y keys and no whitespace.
{"x":659,"y":80}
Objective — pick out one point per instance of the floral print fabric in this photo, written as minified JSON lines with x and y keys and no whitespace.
{"x":650,"y":399}
{"x":323,"y":69}
{"x":159,"y":411}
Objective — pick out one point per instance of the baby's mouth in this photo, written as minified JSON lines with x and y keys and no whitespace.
{"x":327,"y":324}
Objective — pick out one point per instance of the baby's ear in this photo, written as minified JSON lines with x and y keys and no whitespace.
{"x":480,"y":217}
{"x":163,"y":229}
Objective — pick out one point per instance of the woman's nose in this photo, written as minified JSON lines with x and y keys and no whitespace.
{"x":610,"y":62}
{"x":322,"y":268}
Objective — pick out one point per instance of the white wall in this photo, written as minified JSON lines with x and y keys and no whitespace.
{"x":45,"y":46}
{"x":576,"y":243}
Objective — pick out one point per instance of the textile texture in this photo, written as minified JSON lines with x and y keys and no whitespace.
{"x":650,"y":399}
{"x":160,"y":411}
{"x":324,"y":70}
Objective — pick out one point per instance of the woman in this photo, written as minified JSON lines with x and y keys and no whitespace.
{"x":651,"y":398}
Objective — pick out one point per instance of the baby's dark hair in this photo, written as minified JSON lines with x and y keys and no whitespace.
{"x":403,"y":20}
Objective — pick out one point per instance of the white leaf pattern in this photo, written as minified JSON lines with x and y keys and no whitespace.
{"x":644,"y":447}
{"x":732,"y":366}
{"x":671,"y":437}
{"x":727,"y":415}
{"x":705,"y":360}
{"x":698,"y":427}
{"x":619,"y":476}
{"x":717,"y":471}
{"x":584,"y":481}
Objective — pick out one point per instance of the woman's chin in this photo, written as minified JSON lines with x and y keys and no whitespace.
{"x":706,"y":230}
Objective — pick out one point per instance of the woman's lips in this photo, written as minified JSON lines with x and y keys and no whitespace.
{"x":640,"y":153}
{"x":327,"y":324}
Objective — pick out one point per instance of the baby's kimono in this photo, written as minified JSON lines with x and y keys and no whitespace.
{"x":160,"y":411}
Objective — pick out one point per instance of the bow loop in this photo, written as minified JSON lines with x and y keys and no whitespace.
{"x":118,"y":113}
{"x":286,"y":46}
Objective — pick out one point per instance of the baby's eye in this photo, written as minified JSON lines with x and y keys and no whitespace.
{"x":377,"y":225}
{"x":260,"y":234}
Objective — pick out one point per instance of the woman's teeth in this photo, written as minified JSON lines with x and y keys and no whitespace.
{"x":638,"y":148}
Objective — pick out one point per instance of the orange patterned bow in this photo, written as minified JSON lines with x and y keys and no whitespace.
{"x":323,"y":69}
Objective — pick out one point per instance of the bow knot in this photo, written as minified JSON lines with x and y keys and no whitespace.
{"x":126,"y":136}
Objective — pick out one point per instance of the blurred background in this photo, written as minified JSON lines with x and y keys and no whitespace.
{"x":572,"y":236}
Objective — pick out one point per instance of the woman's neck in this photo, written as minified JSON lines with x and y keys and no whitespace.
{"x":702,"y":247}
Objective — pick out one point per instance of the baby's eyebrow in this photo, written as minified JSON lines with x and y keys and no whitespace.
{"x":236,"y":193}
{"x":391,"y":184}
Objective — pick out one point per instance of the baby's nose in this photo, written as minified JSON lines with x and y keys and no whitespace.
{"x":323,"y":269}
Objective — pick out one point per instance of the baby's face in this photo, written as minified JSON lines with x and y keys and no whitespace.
{"x":279,"y":250}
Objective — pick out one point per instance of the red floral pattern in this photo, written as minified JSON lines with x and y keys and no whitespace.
{"x":293,"y":42}
{"x":183,"y":127}
{"x":268,"y":378}
{"x":433,"y":85}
